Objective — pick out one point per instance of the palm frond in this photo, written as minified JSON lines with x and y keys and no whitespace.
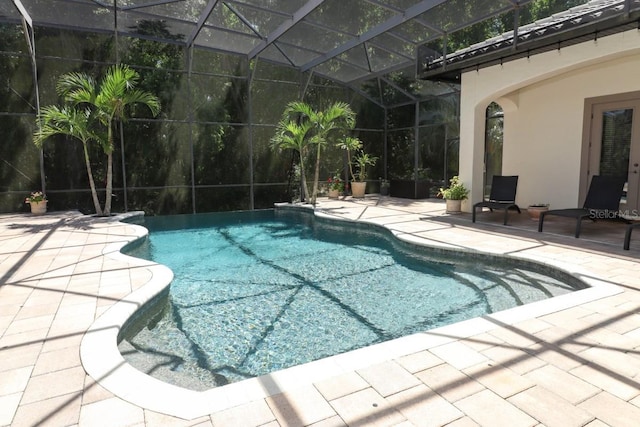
{"x":340,"y":112}
{"x":74,"y":122}
{"x":76,"y":88}
{"x":117,"y":92}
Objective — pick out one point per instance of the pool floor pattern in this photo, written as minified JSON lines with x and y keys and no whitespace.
{"x":243,"y":305}
{"x":578,"y":366}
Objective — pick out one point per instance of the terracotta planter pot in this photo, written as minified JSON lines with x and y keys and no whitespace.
{"x":333,"y":194}
{"x":534,"y":211}
{"x":358,"y":189}
{"x":38,"y":208}
{"x":454,"y":206}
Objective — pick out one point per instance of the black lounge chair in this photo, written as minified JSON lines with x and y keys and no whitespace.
{"x":503,"y":196}
{"x":602,"y":202}
{"x":627,"y":235}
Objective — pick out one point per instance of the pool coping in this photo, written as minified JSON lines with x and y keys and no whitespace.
{"x":102,"y":360}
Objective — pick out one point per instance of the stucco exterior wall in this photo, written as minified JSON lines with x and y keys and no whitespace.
{"x":544,"y":99}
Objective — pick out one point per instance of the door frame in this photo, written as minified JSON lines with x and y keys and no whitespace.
{"x":585,"y":161}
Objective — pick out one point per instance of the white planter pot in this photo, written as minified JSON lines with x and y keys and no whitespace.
{"x":454,"y":206}
{"x":38,"y":208}
{"x":358,"y":189}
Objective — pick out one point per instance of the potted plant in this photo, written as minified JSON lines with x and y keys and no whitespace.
{"x":38,"y":202}
{"x":454,"y":195}
{"x":336,"y":186}
{"x":535,"y":209}
{"x":362,"y":160}
{"x":384,"y":187}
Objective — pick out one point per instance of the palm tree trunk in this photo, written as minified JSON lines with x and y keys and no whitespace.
{"x":303,"y":178}
{"x":109,"y":187}
{"x":316,"y":176}
{"x":92,"y":184}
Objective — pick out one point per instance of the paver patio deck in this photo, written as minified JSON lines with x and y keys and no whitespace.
{"x":574,"y":363}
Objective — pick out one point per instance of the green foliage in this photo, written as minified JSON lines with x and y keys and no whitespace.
{"x":11,"y":38}
{"x":363,"y":160}
{"x":156,"y":63}
{"x":350,"y":144}
{"x":205,"y":129}
{"x":494,"y":140}
{"x":336,"y":183}
{"x":293,"y":135}
{"x":36,"y":197}
{"x":76,"y":123}
{"x":495,"y":26}
{"x":92,"y":110}
{"x":455,"y":191}
{"x":303,"y":126}
{"x":65,"y":120}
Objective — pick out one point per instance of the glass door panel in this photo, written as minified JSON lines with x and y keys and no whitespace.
{"x":616,"y":142}
{"x":615,"y":148}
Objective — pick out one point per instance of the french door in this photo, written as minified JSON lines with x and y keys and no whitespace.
{"x":615,"y":148}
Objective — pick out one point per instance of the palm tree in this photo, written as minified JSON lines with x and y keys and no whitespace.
{"x":76,"y":123}
{"x":338,"y":117}
{"x":333,"y":121}
{"x":294,"y":136}
{"x":110,"y":101}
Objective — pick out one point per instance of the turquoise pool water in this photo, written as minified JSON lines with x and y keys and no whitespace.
{"x":260,"y":291}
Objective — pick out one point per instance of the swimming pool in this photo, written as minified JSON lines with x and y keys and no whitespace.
{"x":260,"y":291}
